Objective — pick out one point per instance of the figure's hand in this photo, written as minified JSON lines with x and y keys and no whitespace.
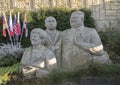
{"x":44,"y":41}
{"x":78,"y":40}
{"x":53,"y":48}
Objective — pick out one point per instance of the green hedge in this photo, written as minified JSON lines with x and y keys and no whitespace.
{"x":111,"y":42}
{"x":36,"y":19}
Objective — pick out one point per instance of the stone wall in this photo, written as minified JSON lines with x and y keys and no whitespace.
{"x":105,"y":12}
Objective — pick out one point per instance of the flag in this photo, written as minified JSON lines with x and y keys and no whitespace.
{"x":15,"y":27}
{"x":25,"y":28}
{"x":5,"y":25}
{"x":10,"y":25}
{"x":18,"y":25}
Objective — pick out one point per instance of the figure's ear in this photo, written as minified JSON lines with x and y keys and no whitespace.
{"x":43,"y":41}
{"x":82,"y":19}
{"x":45,"y":25}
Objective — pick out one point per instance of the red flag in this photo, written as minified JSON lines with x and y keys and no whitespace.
{"x":10,"y":25}
{"x":18,"y":25}
{"x":5,"y":25}
{"x":25,"y":28}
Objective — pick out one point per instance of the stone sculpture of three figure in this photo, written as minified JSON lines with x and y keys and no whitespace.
{"x":54,"y":50}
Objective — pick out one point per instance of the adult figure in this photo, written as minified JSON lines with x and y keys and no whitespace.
{"x":37,"y":61}
{"x":54,"y":38}
{"x":81,"y":44}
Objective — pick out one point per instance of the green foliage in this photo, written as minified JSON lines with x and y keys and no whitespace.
{"x":57,"y":77}
{"x":89,"y":21}
{"x":36,"y":18}
{"x":6,"y":71}
{"x":94,"y":70}
{"x":8,"y":61}
{"x":104,"y":70}
{"x":111,"y":42}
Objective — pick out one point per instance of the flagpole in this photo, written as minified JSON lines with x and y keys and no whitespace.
{"x":24,"y":25}
{"x":13,"y":31}
{"x":8,"y":29}
{"x":13,"y":41}
{"x":17,"y":35}
{"x":21,"y":36}
{"x":20,"y":30}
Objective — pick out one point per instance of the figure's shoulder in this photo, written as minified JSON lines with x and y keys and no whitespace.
{"x":28,"y":48}
{"x":49,"y":53}
{"x":90,"y":29}
{"x":66,"y":31}
{"x":59,"y":32}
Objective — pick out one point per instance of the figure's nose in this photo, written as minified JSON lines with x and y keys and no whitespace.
{"x":50,"y":23}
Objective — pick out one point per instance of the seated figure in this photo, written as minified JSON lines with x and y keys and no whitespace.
{"x":37,"y":61}
{"x":81,"y":44}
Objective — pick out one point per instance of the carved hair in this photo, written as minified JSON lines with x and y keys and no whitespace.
{"x":79,"y":13}
{"x":40,"y":31}
{"x":49,"y":17}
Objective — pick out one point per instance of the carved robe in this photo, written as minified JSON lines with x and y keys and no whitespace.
{"x":76,"y":46}
{"x":41,"y":59}
{"x":54,"y":44}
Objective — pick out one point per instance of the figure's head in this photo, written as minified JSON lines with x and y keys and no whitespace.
{"x":77,"y":19}
{"x":37,"y":36}
{"x":50,"y":23}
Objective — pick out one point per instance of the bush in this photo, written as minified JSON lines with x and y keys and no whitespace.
{"x":8,"y":61}
{"x":36,"y":19}
{"x":111,"y":42}
{"x":59,"y":77}
{"x":6,"y":71}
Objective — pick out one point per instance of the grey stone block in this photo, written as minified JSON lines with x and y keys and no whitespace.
{"x":94,"y":81}
{"x":115,"y":81}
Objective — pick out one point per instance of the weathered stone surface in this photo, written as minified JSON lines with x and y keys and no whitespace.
{"x":37,"y":61}
{"x":81,"y":44}
{"x":70,"y":83}
{"x":54,"y":38}
{"x":115,"y":81}
{"x":94,"y":81}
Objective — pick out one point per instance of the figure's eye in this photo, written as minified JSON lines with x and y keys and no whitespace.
{"x":49,"y":21}
{"x":41,"y":37}
{"x":52,"y":20}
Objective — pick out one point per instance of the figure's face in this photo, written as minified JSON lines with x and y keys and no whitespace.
{"x":50,"y":23}
{"x":35,"y":38}
{"x":76,"y":21}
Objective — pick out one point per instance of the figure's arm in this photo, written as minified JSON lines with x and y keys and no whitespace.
{"x":51,"y":62}
{"x":25,"y":59}
{"x":58,"y":42}
{"x":95,"y":46}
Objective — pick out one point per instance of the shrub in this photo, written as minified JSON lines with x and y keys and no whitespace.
{"x":6,"y":71}
{"x":8,"y":61}
{"x":59,"y":77}
{"x":111,"y":42}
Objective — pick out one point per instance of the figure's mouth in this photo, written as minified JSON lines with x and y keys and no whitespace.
{"x":33,"y":39}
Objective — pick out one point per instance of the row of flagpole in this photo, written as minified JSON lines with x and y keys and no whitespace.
{"x":14,"y":30}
